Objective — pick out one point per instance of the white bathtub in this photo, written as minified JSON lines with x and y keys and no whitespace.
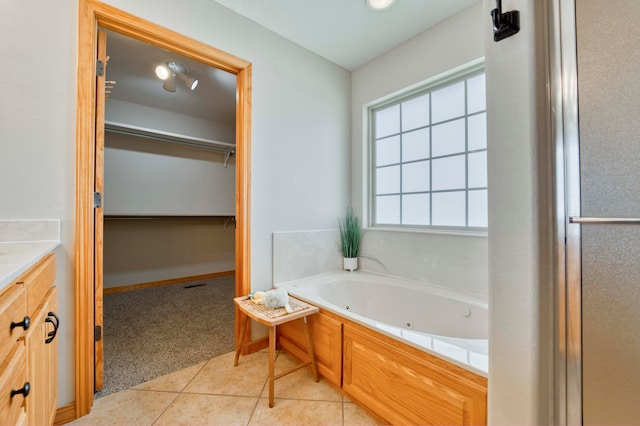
{"x":450,"y":325}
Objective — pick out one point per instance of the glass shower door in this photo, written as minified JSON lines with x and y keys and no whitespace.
{"x":608,"y":63}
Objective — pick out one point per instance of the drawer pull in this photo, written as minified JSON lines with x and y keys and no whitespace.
{"x":55,"y":321}
{"x":25,"y":323}
{"x":24,"y":391}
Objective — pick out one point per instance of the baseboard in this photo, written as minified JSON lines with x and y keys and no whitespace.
{"x":171,"y":281}
{"x":65,"y":414}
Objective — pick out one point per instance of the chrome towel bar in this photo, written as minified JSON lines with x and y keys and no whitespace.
{"x":586,"y":220}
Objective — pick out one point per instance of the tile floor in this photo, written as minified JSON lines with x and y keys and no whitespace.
{"x":214,"y":392}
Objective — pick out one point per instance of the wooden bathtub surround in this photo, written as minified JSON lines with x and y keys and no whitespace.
{"x":394,"y":381}
{"x":301,"y":311}
{"x":326,"y":333}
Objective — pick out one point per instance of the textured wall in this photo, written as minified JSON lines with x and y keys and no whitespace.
{"x":519,"y":249}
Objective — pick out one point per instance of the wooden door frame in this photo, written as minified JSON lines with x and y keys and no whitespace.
{"x":93,"y":14}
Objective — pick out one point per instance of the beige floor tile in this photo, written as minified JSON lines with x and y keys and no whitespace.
{"x":297,"y":412}
{"x":300,"y":384}
{"x":173,"y":382}
{"x":128,"y":407}
{"x":195,"y":409}
{"x":356,"y":416}
{"x":220,"y":377}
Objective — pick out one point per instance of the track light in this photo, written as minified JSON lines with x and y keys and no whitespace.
{"x":170,"y":83}
{"x":191,"y":82}
{"x":168,"y":74}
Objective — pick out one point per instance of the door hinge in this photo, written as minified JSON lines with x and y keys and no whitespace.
{"x":97,"y":333}
{"x":99,"y":68}
{"x":97,"y":200}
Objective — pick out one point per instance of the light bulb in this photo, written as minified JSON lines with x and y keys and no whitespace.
{"x":162,"y":72}
{"x":379,"y":4}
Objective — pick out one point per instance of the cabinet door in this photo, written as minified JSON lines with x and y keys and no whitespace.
{"x":51,"y":349}
{"x":13,"y":377}
{"x":36,"y":368}
{"x":42,"y":364}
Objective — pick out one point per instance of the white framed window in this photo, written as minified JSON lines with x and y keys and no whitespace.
{"x":428,"y":156}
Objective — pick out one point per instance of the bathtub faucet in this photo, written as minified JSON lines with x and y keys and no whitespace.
{"x":375,"y":259}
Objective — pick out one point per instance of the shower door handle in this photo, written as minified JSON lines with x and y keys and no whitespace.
{"x":590,"y":220}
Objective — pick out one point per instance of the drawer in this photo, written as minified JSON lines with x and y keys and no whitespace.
{"x":13,"y":308}
{"x":14,"y":376}
{"x":38,"y":281}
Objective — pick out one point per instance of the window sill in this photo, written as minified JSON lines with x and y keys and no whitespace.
{"x":451,"y":232}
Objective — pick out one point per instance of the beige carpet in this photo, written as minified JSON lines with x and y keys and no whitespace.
{"x":152,"y":332}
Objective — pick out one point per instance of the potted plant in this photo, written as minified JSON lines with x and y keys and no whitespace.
{"x":350,"y":236}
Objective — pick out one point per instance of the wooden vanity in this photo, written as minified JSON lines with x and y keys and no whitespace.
{"x":29,"y":347}
{"x":395,"y":382}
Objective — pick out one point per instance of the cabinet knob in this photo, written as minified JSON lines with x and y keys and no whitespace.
{"x":24,"y":390}
{"x":25,"y":323}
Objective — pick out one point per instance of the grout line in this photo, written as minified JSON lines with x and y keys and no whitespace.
{"x":194,"y":376}
{"x":166,"y":408}
{"x":253,"y":412}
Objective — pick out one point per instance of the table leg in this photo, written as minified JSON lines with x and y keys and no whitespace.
{"x":243,"y":327}
{"x":272,"y":359}
{"x":312,"y":358}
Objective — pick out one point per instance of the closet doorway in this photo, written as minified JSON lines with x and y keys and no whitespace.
{"x":90,"y":176}
{"x":168,"y":214}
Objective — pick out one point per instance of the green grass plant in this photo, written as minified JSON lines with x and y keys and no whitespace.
{"x":350,"y":233}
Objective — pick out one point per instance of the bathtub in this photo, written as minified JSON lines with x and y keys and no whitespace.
{"x":449,"y":325}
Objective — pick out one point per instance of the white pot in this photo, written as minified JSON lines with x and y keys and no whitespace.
{"x":350,"y":263}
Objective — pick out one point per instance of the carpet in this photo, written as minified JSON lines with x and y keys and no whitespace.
{"x":152,"y":332}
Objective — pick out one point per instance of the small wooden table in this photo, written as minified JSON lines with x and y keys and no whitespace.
{"x":272,"y":318}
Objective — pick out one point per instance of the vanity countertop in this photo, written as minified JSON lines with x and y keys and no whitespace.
{"x":23,"y":243}
{"x":15,"y":258}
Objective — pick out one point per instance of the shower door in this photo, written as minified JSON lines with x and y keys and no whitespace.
{"x":603,"y":210}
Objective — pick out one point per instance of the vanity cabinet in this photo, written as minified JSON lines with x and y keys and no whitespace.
{"x":28,"y":346}
{"x":326,"y":335}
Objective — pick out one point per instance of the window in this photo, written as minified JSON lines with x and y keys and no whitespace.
{"x":429,"y":157}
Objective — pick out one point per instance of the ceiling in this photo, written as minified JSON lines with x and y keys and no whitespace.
{"x":345,"y":32}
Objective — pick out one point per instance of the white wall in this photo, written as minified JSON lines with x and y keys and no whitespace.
{"x":143,"y":176}
{"x":300,"y":132}
{"x":167,"y":121}
{"x":37,"y":140}
{"x":519,"y":249}
{"x":453,"y":261}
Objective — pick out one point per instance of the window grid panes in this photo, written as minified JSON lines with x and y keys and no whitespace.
{"x":429,"y":162}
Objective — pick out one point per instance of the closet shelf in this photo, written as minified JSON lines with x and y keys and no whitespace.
{"x":128,"y":129}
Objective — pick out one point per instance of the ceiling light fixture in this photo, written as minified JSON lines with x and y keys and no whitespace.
{"x":379,"y":4}
{"x":191,"y":82}
{"x":168,"y":74}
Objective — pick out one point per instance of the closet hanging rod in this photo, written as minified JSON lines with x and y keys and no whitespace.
{"x":130,"y":130}
{"x":225,"y":218}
